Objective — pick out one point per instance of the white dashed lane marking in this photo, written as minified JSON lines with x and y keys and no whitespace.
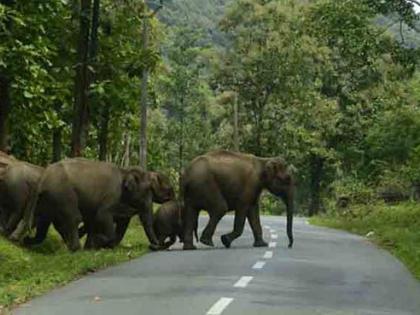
{"x":274,"y":236}
{"x":268,"y":254}
{"x":272,"y":244}
{"x":258,"y":265}
{"x":272,"y":231}
{"x":243,"y":282}
{"x":219,"y":306}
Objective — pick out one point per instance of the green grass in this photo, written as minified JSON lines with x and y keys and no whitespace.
{"x":26,"y":273}
{"x":396,"y":228}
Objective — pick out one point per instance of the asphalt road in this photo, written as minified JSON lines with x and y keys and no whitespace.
{"x":327,"y":272}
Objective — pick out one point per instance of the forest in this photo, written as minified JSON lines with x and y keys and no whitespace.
{"x":331,"y":86}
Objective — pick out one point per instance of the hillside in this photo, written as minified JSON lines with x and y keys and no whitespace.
{"x":199,"y":14}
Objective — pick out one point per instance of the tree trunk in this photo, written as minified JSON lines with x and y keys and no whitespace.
{"x":5,"y":102}
{"x":143,"y":102}
{"x":81,"y":107}
{"x":103,"y":134}
{"x":127,"y":142}
{"x":181,"y":147}
{"x":93,"y":47}
{"x":4,"y":112}
{"x":57,"y":147}
{"x":316,"y":170}
{"x":235,"y":123}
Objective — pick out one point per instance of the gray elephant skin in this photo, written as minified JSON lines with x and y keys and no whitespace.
{"x":221,"y":181}
{"x":162,"y":191}
{"x":167,"y":223}
{"x":18,"y":184}
{"x":95,"y":193}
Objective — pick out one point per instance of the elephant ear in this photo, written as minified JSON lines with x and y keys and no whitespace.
{"x":270,"y":170}
{"x":161,"y":187}
{"x":276,"y":168}
{"x":131,"y":182}
{"x":155,"y":181}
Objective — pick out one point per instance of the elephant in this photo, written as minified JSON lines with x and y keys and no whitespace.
{"x":167,"y":222}
{"x":220,"y":181}
{"x":18,"y":184}
{"x":6,"y":159}
{"x":162,"y":191}
{"x":79,"y":190}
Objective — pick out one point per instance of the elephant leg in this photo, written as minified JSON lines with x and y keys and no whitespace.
{"x":19,"y":232}
{"x":253,"y":217}
{"x":238,"y":228}
{"x":207,"y":235}
{"x":161,"y":240}
{"x":103,"y":230}
{"x":188,"y":222}
{"x":120,"y":229}
{"x":42,"y":226}
{"x":67,"y":227}
{"x":14,"y":217}
{"x":83,"y":230}
{"x":13,"y":221}
{"x":3,"y":220}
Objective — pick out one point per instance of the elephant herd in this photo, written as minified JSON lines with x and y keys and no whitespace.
{"x":83,"y":197}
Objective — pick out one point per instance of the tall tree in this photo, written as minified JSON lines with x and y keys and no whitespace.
{"x":81,"y":99}
{"x":5,"y":86}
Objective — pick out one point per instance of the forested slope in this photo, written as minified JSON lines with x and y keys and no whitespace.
{"x":203,"y":15}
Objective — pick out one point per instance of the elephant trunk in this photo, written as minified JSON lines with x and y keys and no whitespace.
{"x":146,"y":218}
{"x":289,"y":212}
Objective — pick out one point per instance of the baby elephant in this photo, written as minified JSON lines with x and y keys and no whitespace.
{"x":167,"y":222}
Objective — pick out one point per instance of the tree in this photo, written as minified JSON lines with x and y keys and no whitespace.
{"x":82,"y":83}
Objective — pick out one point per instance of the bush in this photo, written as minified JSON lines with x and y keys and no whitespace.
{"x":353,"y":190}
{"x":393,"y":186}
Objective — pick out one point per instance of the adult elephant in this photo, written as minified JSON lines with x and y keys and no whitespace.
{"x":80,"y":190}
{"x":221,"y":181}
{"x":162,"y":191}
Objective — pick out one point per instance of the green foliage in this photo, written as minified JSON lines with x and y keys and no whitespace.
{"x":321,"y":83}
{"x":394,"y":135}
{"x":352,"y":189}
{"x":203,"y":15}
{"x":404,"y":9}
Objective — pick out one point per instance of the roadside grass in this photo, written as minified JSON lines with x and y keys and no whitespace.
{"x":395,"y":228}
{"x":26,"y":273}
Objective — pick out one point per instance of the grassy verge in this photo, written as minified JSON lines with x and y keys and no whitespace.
{"x":395,"y":228}
{"x":27,"y":273}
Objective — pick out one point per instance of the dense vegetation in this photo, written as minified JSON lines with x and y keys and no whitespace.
{"x":327,"y":84}
{"x":321,"y":83}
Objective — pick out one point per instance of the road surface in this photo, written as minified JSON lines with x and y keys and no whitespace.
{"x":327,"y":272}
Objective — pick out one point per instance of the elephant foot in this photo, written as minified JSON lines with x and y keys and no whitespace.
{"x":207,"y":241}
{"x":155,"y":247}
{"x":260,"y":243}
{"x":189,"y":247}
{"x":226,"y":241}
{"x":74,"y":247}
